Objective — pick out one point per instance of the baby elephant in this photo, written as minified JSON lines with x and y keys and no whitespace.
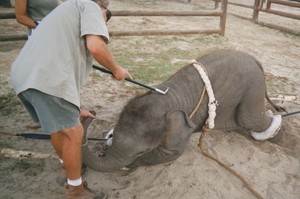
{"x":155,"y":128}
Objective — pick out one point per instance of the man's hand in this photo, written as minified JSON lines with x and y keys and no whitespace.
{"x":121,"y":74}
{"x":84,"y":114}
{"x":101,"y":53}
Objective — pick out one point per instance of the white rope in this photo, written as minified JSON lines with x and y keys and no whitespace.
{"x":212,"y":103}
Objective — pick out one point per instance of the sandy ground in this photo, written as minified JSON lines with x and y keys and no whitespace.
{"x":270,"y":168}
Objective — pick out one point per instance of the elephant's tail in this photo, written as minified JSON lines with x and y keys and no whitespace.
{"x":277,"y":107}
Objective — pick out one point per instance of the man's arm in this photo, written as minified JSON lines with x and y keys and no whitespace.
{"x":102,"y":54}
{"x":21,"y":16}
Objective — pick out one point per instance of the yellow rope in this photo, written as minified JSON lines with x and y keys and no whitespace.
{"x":199,"y":103}
{"x":247,"y":185}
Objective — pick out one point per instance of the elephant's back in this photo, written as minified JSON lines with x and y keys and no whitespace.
{"x":232,"y":67}
{"x":230,"y":61}
{"x":234,"y":76}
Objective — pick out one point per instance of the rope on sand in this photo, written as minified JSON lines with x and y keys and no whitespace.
{"x":247,"y":185}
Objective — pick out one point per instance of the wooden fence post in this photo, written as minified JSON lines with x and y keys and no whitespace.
{"x":255,"y":10}
{"x":223,"y":17}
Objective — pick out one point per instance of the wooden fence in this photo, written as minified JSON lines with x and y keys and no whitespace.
{"x":216,"y":13}
{"x":258,"y":6}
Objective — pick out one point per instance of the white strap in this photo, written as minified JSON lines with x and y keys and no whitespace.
{"x":212,"y":104}
{"x":272,"y":130}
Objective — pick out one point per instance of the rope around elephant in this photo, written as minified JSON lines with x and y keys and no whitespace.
{"x":210,"y":123}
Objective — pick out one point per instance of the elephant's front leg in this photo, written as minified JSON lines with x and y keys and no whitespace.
{"x":176,"y":134}
{"x":159,"y":155}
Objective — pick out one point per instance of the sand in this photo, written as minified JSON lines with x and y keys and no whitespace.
{"x":270,"y":168}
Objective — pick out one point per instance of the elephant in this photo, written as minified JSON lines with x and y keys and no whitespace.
{"x":155,"y":128}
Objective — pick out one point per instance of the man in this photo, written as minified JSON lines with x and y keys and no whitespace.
{"x":50,"y":69}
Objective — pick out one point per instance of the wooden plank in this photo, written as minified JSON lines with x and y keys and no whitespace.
{"x":241,"y":5}
{"x":162,"y":32}
{"x":165,"y":13}
{"x":7,"y":15}
{"x":277,"y":27}
{"x":13,"y":37}
{"x":11,"y":15}
{"x":280,"y":13}
{"x":128,"y":33}
{"x":286,"y":3}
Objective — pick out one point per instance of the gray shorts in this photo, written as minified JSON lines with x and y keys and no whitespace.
{"x":53,"y":113}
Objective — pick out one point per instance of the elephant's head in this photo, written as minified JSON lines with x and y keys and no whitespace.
{"x":142,"y":127}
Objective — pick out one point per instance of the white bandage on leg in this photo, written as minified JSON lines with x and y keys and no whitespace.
{"x":109,"y":137}
{"x":272,"y":130}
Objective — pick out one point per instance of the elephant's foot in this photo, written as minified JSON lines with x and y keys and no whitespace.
{"x":272,"y":130}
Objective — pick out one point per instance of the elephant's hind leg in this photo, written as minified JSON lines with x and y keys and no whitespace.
{"x":272,"y":130}
{"x":251,"y":114}
{"x":253,"y":117}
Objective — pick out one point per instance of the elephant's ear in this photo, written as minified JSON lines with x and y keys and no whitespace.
{"x":179,"y":117}
{"x":178,"y":129}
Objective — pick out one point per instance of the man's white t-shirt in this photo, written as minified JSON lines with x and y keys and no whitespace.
{"x":55,"y":59}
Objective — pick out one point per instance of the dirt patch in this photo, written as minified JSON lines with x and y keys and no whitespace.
{"x":271,"y":168}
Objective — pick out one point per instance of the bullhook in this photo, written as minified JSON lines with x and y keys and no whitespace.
{"x":133,"y":81}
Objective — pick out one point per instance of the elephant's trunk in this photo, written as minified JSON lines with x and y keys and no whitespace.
{"x":112,"y":161}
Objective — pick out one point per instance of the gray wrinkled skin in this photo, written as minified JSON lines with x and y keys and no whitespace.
{"x":154,"y":128}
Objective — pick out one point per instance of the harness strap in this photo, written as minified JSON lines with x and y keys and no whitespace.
{"x":198,"y":104}
{"x":210,"y":124}
{"x":212,"y":104}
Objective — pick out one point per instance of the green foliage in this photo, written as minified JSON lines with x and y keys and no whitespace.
{"x":8,"y":103}
{"x":154,"y":59}
{"x":4,"y":144}
{"x":29,"y":167}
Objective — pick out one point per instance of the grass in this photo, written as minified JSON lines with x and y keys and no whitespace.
{"x":8,"y":103}
{"x":277,"y":84}
{"x":5,"y":144}
{"x":153,"y":59}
